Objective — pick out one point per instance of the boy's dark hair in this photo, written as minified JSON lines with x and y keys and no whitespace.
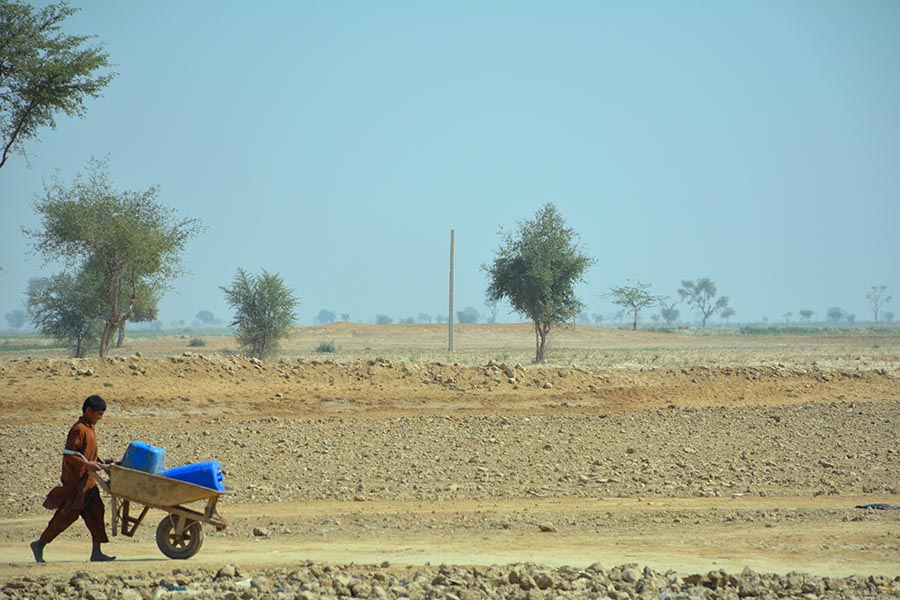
{"x":94,"y":402}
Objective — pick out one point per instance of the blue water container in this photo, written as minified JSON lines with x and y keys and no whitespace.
{"x":207,"y":474}
{"x":144,"y":457}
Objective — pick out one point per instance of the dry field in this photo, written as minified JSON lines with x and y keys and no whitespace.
{"x":683,"y":452}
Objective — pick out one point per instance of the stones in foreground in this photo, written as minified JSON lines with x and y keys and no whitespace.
{"x":310,"y":581}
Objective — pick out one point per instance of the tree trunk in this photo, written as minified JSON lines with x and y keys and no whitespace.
{"x":634,"y":325}
{"x":115,"y":320}
{"x":540,"y":338}
{"x":121,"y":341}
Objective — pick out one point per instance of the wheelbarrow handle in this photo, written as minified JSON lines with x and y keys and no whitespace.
{"x":75,"y":453}
{"x":82,"y":457}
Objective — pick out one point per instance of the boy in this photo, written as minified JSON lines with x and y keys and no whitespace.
{"x":78,"y":495}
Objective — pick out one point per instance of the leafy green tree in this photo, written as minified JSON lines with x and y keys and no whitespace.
{"x":701,"y":294}
{"x":806,"y":314}
{"x":127,"y":237}
{"x":325,"y":317}
{"x":536,"y":271}
{"x":727,"y":313}
{"x":787,"y":317}
{"x":424,"y":318}
{"x":878,"y":296}
{"x":206,"y":317}
{"x":16,"y":319}
{"x":834,"y":314}
{"x":67,"y":309}
{"x":493,"y":307}
{"x":382,"y":319}
{"x":667,"y":310}
{"x":43,"y":72}
{"x":632,"y":297}
{"x":469,"y":316}
{"x":264,"y":309}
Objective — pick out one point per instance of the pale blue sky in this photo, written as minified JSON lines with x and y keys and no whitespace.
{"x":337,"y":143}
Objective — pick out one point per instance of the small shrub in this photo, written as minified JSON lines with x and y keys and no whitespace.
{"x":195,"y":342}
{"x":326,"y":347}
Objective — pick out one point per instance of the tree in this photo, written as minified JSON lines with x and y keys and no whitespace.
{"x":325,"y":317}
{"x":889,"y":316}
{"x":469,"y":316}
{"x":67,"y":309}
{"x":264,"y":309}
{"x":805,"y":314}
{"x":834,"y":314}
{"x":206,"y":317}
{"x":424,"y":318}
{"x":878,"y":296}
{"x":492,"y":305}
{"x":727,"y":313}
{"x":633,"y":297}
{"x":407,"y":321}
{"x":668,"y":312}
{"x":16,"y":319}
{"x":701,"y":294}
{"x":787,"y":317}
{"x":127,"y":237}
{"x":382,"y":319}
{"x":43,"y":72}
{"x":536,"y":271}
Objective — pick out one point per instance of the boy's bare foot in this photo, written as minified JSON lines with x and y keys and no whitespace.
{"x":37,"y":548}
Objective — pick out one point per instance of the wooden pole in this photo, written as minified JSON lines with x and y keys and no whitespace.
{"x":450,"y":316}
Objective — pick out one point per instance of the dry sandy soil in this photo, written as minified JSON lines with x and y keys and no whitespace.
{"x":682,"y":452}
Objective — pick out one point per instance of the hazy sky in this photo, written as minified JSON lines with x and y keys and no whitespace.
{"x":337,"y":143}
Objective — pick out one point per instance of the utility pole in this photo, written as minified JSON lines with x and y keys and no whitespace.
{"x":450,"y":316}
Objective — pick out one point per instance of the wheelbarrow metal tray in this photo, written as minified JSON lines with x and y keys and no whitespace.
{"x":155,"y":490}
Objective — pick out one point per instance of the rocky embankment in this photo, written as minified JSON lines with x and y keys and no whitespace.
{"x":312,"y":581}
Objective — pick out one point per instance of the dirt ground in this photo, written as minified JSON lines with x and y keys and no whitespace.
{"x":678,"y":451}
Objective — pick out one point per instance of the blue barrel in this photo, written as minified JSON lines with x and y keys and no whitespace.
{"x":144,"y":457}
{"x":207,"y":474}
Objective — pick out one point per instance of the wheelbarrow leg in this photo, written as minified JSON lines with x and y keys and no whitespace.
{"x":114,"y":510}
{"x":129,"y":523}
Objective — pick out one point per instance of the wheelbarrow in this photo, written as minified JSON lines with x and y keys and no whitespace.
{"x":180,"y":534}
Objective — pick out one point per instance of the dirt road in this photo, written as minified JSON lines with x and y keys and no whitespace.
{"x":826,"y":536}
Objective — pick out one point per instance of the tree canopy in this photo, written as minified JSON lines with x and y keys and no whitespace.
{"x":130,"y":240}
{"x":264,"y":309}
{"x":43,"y":72}
{"x":536,"y":270}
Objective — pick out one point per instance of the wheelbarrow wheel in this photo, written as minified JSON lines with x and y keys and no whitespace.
{"x":177,"y":546}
